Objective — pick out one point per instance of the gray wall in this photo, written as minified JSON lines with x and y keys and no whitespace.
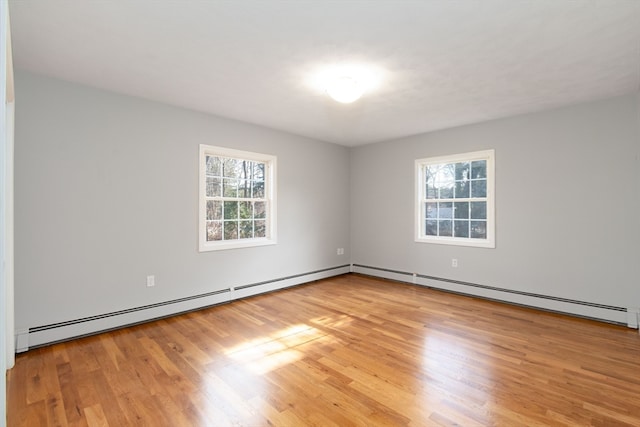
{"x":107,"y":193}
{"x":567,"y":203}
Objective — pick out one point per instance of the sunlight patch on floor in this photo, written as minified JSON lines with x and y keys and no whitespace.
{"x":335,"y":322}
{"x":270,"y":352}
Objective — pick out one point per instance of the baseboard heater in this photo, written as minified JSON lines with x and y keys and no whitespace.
{"x":39,"y":336}
{"x":619,"y":315}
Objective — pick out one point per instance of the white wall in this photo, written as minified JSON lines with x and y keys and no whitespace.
{"x":107,"y":193}
{"x":567,"y":204}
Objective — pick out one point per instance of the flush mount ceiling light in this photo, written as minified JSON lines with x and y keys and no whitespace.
{"x":344,"y":89}
{"x":345,"y":83}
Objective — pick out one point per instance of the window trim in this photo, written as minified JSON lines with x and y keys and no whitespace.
{"x":270,"y":195}
{"x":419,"y":222}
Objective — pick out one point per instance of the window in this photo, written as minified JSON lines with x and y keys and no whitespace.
{"x":237,"y":199}
{"x":455,"y":199}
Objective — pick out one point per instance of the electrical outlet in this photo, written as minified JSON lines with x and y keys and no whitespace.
{"x":340,"y":251}
{"x":151,"y":281}
{"x":454,"y":262}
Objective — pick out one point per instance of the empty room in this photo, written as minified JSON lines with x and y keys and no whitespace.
{"x":320,"y":213}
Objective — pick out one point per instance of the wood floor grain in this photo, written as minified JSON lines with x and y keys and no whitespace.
{"x":346,"y":351}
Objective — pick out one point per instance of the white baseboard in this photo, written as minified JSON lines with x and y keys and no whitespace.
{"x":611,"y":314}
{"x":43,"y":335}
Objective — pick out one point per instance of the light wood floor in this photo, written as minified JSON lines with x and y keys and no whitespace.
{"x":347,"y":351}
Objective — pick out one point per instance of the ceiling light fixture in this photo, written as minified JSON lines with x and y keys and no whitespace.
{"x":346,"y":83}
{"x":344,"y":89}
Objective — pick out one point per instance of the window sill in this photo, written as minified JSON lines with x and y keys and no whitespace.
{"x":490,"y":244}
{"x":235,"y":244}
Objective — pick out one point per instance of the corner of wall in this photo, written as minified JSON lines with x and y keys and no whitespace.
{"x":7,"y":203}
{"x":6,"y":148}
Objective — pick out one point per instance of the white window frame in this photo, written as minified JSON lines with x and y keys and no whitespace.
{"x":270,"y":198}
{"x":420,"y":199}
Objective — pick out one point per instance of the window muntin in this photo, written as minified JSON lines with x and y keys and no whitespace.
{"x":455,"y":203}
{"x":237,"y":198}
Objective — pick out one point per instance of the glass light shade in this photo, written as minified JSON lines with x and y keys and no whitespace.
{"x":344,"y":89}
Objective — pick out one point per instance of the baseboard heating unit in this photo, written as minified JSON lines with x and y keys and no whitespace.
{"x":38,"y":336}
{"x":619,"y":315}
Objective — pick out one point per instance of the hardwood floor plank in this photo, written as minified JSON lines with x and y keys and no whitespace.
{"x":347,"y":351}
{"x":70,"y":393}
{"x":95,"y":416}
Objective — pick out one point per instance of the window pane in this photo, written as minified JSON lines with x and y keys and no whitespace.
{"x":214,"y":231}
{"x":432,"y":192}
{"x":230,"y":187}
{"x":259,"y":210}
{"x":260,"y":229}
{"x":210,"y":210}
{"x":213,"y":187}
{"x":230,"y":210}
{"x":446,"y":190}
{"x":230,"y":230}
{"x":461,"y":229}
{"x":444,"y":228}
{"x":461,"y":210}
{"x":445,"y":172}
{"x":245,"y":210}
{"x":479,"y":169}
{"x":479,"y":188}
{"x":431,"y":228}
{"x":214,"y":210}
{"x":440,"y":178}
{"x":432,"y":210}
{"x":258,"y":189}
{"x":429,"y":174}
{"x":230,"y":168}
{"x":445,"y":210}
{"x":244,"y":188}
{"x":214,"y":166}
{"x":478,"y":229}
{"x":246,"y":229}
{"x":258,"y":171}
{"x":462,"y":171}
{"x":245,"y":169}
{"x":479,"y":210}
{"x":462,"y":189}
{"x":430,"y":184}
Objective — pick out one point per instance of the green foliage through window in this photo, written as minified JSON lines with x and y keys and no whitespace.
{"x":235,"y":198}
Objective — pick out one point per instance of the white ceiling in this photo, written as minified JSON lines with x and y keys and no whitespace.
{"x":445,"y":63}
